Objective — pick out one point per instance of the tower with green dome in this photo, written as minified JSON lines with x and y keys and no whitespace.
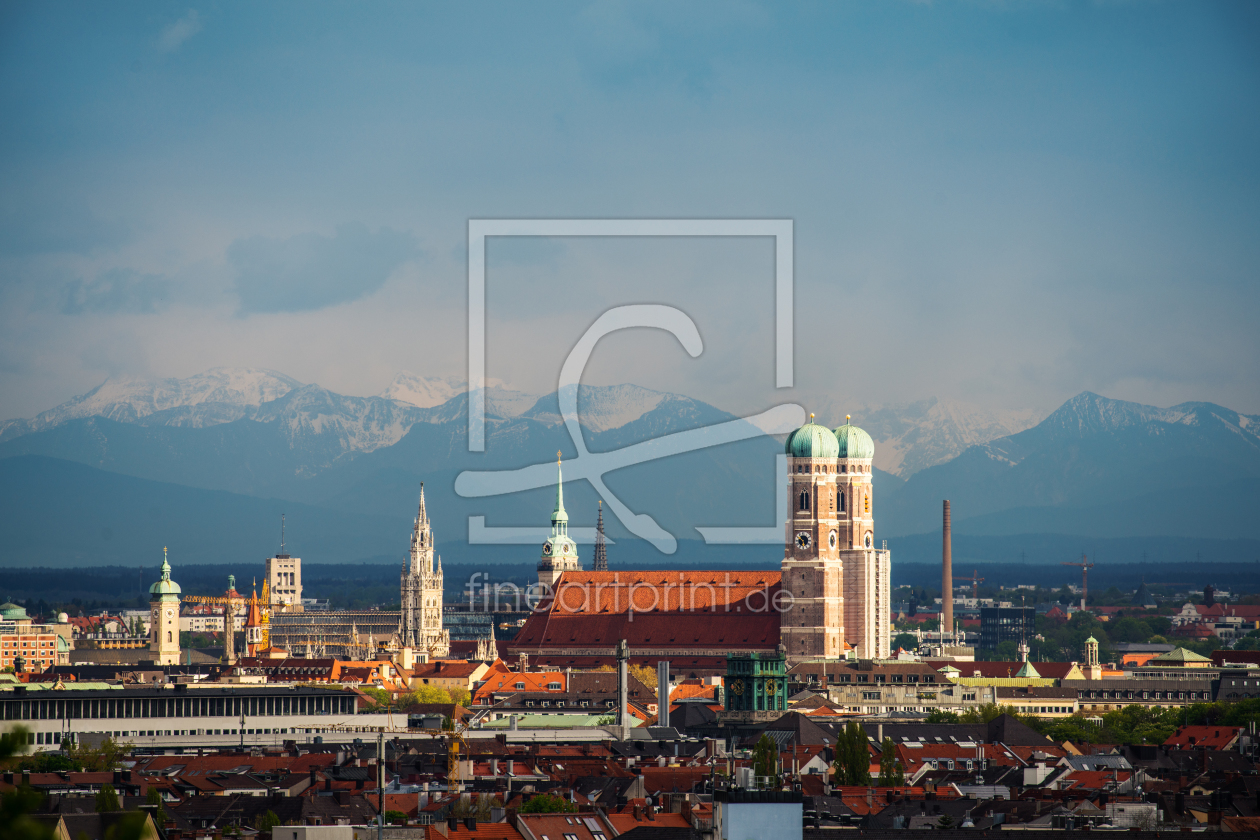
{"x":164,"y":617}
{"x":559,"y":552}
{"x":837,"y":577}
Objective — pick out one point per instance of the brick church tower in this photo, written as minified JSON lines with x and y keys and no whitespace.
{"x":813,"y":626}
{"x":838,"y":579}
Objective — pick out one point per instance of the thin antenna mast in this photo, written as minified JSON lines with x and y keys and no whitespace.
{"x":282,"y":533}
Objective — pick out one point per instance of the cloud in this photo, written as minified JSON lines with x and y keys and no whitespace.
{"x":116,"y":290}
{"x":310,"y":271}
{"x":174,"y":35}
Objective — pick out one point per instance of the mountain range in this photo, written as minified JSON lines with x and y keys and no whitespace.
{"x":260,"y":442}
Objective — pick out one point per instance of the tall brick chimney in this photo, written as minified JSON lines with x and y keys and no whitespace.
{"x":947,"y":575}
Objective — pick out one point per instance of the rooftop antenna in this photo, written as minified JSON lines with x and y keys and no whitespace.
{"x":282,"y":533}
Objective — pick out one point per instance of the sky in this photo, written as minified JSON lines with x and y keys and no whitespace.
{"x":1000,"y":203}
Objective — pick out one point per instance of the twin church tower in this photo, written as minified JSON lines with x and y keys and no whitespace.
{"x":838,"y":579}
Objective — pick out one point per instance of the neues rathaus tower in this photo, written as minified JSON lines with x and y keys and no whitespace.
{"x":421,"y":622}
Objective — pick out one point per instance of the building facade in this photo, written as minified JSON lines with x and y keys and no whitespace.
{"x":421,"y":623}
{"x":1006,"y":624}
{"x":284,"y":576}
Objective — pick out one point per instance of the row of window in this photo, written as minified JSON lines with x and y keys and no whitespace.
{"x":178,"y":707}
{"x":831,"y":468}
{"x":803,"y":501}
{"x":1130,"y":694}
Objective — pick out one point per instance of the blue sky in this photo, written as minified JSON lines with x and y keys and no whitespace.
{"x":1002,"y":203}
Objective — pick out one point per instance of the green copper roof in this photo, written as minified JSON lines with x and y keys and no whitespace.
{"x":1179,"y":655}
{"x":165,"y":586}
{"x":1091,"y":641}
{"x":12,"y":612}
{"x":1028,"y":672}
{"x":854,"y":443}
{"x":812,"y":441}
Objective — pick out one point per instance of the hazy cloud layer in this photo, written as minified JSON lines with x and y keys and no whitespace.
{"x":311,"y":271}
{"x":1004,"y":204}
{"x":116,"y":290}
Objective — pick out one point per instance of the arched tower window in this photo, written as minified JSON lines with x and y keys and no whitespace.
{"x":804,"y":501}
{"x":168,"y":635}
{"x":842,"y":503}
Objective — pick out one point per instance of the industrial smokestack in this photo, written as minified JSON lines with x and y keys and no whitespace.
{"x":662,"y":693}
{"x":947,"y":576}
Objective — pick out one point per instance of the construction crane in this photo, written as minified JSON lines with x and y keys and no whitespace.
{"x":1085,"y":566}
{"x":975,"y":581}
{"x":230,"y":604}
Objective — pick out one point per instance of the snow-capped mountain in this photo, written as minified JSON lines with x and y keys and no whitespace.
{"x":219,"y":395}
{"x":1099,"y":466}
{"x":910,"y":438}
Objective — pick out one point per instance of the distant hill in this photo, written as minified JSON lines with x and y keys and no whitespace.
{"x":1098,"y":467}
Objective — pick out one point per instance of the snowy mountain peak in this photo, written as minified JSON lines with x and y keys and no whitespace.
{"x":603,"y":407}
{"x":423,"y":391}
{"x":912,"y":437}
{"x":130,"y":399}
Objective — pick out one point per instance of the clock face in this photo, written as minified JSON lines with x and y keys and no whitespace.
{"x":737,"y":686}
{"x":802,"y":539}
{"x":832,"y":539}
{"x":169,"y":613}
{"x":546,"y":548}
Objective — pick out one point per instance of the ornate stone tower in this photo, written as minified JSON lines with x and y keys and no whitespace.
{"x":600,"y":564}
{"x":164,"y":617}
{"x":421,"y":586}
{"x":866,"y":567}
{"x":813,"y":625}
{"x":559,"y":553}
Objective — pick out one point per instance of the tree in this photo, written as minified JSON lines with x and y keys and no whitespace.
{"x":765,"y":757}
{"x":107,"y":799}
{"x":908,"y":641}
{"x":942,"y":716}
{"x":17,"y":804}
{"x":396,"y":817}
{"x":891,"y":773}
{"x":460,"y":695}
{"x":546,"y":803}
{"x":266,"y":821}
{"x":853,"y":757}
{"x":108,"y":756}
{"x":154,"y":797}
{"x":945,"y":823}
{"x":644,"y":674}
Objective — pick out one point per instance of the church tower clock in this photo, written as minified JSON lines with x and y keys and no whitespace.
{"x":559,"y":552}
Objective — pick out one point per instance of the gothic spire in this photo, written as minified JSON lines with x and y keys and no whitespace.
{"x":601,"y":548}
{"x":558,"y":515}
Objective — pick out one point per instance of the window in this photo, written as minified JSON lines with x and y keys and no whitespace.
{"x":841,"y":502}
{"x":804,"y":500}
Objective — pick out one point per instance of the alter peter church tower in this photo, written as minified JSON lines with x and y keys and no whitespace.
{"x":559,"y":552}
{"x":838,"y":580}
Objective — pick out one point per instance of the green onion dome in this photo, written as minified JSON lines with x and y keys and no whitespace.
{"x":812,"y":441}
{"x":853,"y":442}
